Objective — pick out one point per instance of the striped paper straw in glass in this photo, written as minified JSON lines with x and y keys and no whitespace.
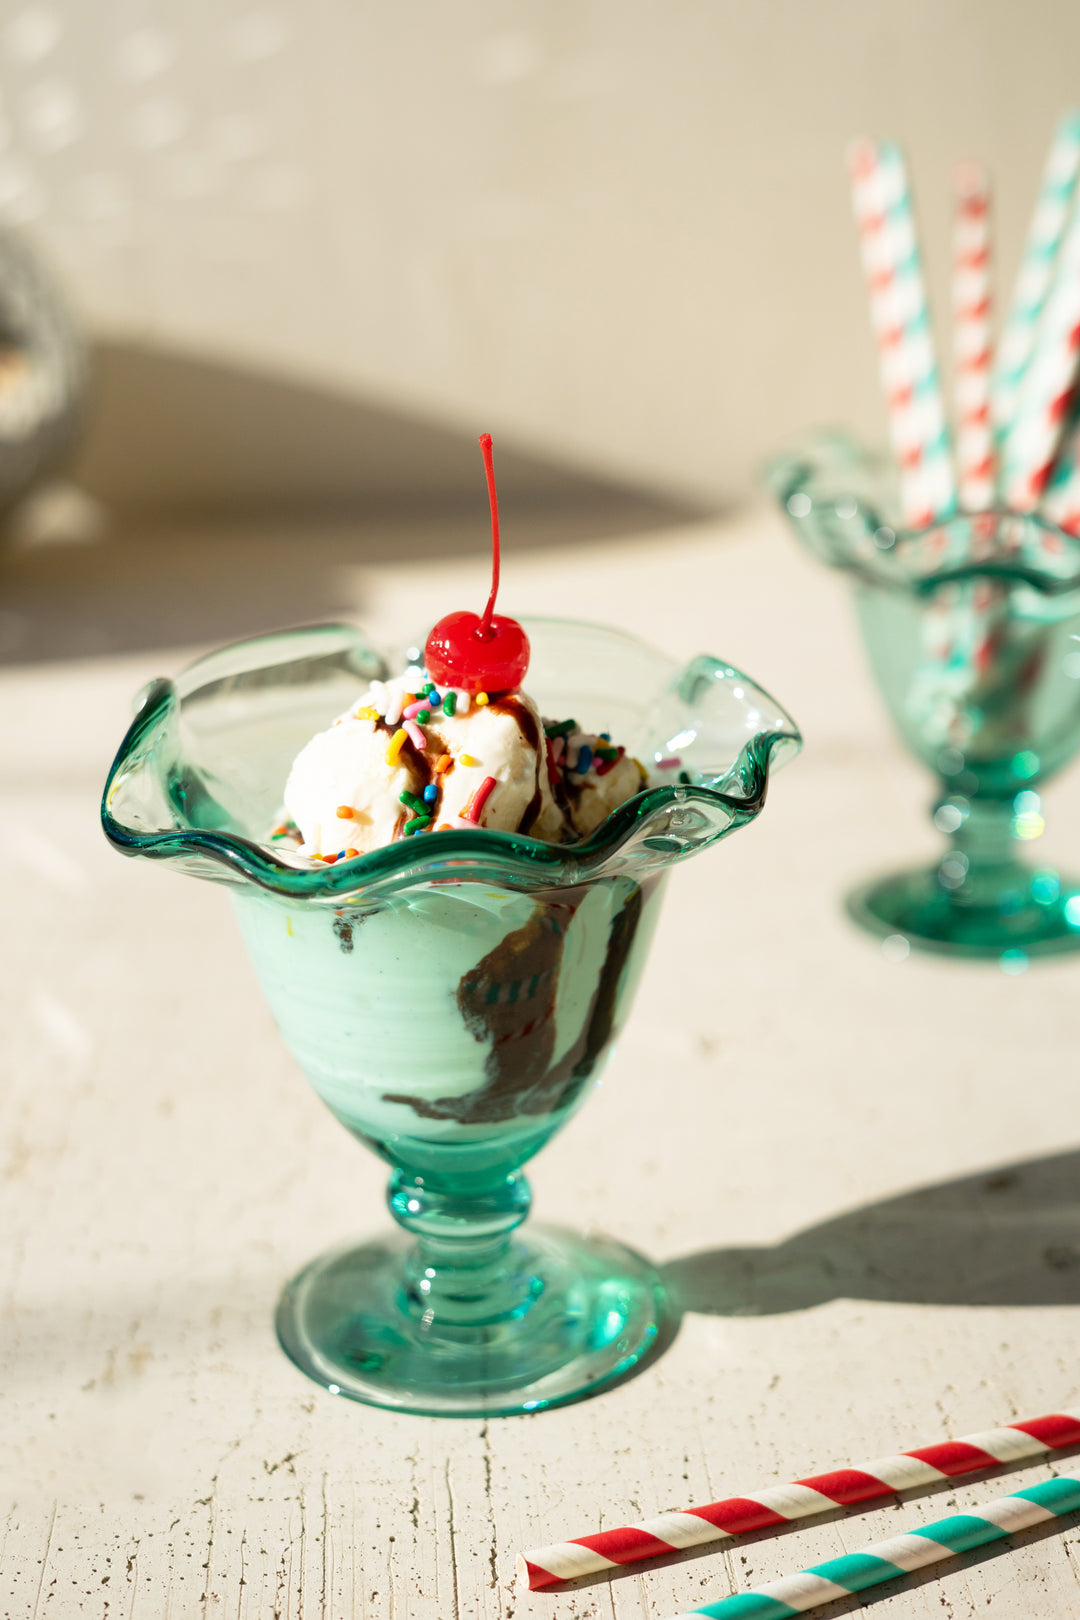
{"x":900,"y":317}
{"x":900,"y":1555}
{"x":1036,"y":270}
{"x":971,"y":338}
{"x":1047,"y":386}
{"x":1061,"y":503}
{"x":776,"y":1505}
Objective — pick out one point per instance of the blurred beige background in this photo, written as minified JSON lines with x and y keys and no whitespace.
{"x":614,"y":232}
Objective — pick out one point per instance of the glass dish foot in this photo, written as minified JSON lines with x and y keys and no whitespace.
{"x":1034,"y":913}
{"x":587,"y":1314}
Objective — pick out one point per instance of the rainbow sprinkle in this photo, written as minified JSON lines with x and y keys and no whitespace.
{"x":611,"y":757}
{"x":431,"y":793}
{"x":469,"y":759}
{"x":367,"y":714}
{"x":449,"y":703}
{"x":443,"y":763}
{"x":417,"y":824}
{"x":554,"y":777}
{"x":395,"y":745}
{"x":478,"y":800}
{"x":481,"y":699}
{"x":415,"y":735}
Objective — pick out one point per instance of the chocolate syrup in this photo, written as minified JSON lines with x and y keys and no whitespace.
{"x":531,"y":735}
{"x":509,"y":999}
{"x":424,"y":771}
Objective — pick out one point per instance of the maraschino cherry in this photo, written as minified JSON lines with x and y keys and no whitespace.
{"x":488,"y":653}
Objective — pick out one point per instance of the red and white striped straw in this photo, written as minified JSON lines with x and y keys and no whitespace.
{"x":900,"y":317}
{"x":1048,"y":386}
{"x":780,"y":1504}
{"x":972,"y":344}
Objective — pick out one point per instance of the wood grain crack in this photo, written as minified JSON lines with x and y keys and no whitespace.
{"x":453,"y":1548}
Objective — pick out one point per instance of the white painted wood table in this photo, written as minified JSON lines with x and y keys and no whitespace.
{"x":165,"y":1168}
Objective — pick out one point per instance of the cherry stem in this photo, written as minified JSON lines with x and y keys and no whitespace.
{"x":483,"y":629}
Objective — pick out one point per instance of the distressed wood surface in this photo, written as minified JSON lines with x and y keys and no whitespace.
{"x":780,"y":1096}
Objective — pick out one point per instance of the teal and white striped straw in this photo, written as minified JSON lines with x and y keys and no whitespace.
{"x":888,"y":1560}
{"x":1036,"y":270}
{"x":1032,"y":441}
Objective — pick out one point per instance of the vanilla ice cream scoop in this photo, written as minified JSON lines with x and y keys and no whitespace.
{"x":343,"y":791}
{"x":397,"y":763}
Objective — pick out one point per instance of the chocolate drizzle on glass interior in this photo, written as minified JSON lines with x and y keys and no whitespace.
{"x":507,"y":1002}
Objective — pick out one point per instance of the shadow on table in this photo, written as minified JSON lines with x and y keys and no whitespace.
{"x":1009,"y":1236}
{"x":218,"y":502}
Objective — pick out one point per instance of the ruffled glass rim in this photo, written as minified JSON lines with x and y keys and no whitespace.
{"x":839,"y":497}
{"x":659,"y":825}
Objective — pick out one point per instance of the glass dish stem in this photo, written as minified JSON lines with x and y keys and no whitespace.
{"x":982,"y":898}
{"x":464,"y":1271}
{"x":983,"y":868}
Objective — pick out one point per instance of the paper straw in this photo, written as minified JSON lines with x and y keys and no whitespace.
{"x":888,"y":1560}
{"x":1046,"y":390}
{"x":971,"y":338}
{"x":1036,"y":270}
{"x":900,"y":317}
{"x":1061,"y":503}
{"x":780,"y":1504}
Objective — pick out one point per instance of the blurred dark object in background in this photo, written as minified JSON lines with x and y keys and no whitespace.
{"x":43,"y":372}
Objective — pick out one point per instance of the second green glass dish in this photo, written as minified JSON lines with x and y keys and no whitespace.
{"x":972,"y":627}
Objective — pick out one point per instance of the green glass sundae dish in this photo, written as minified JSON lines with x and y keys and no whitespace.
{"x":449,"y":919}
